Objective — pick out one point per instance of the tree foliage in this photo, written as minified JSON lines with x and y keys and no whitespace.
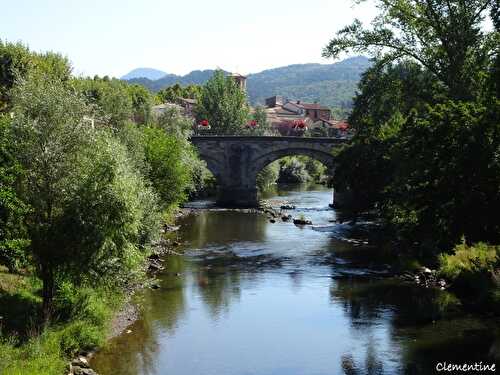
{"x":90,"y":210}
{"x":170,"y":171}
{"x":18,"y":62}
{"x":174,"y":93}
{"x":427,"y":123}
{"x":223,"y":104}
{"x":445,"y":37}
{"x":13,"y":236}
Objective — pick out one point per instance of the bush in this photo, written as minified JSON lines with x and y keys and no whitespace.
{"x":170,"y":167}
{"x":79,"y":335}
{"x":470,"y":261}
{"x":474,"y":272}
{"x":204,"y":182}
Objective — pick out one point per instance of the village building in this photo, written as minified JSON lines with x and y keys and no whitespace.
{"x":240,"y":80}
{"x":283,"y":115}
{"x":188,"y":106}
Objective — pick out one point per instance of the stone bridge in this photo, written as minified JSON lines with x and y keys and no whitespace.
{"x":235,"y":161}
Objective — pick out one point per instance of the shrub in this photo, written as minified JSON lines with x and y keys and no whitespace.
{"x":170,"y":169}
{"x":469,"y":261}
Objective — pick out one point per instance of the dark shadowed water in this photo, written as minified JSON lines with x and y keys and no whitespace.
{"x":252,"y":297}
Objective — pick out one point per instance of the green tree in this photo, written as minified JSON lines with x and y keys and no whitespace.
{"x":112,"y":102}
{"x":142,"y":100}
{"x":445,"y":37}
{"x":15,"y":59}
{"x":223,"y":104}
{"x":262,"y":125}
{"x":91,"y":213}
{"x":447,"y":176}
{"x":13,"y":236}
{"x":387,"y":95}
{"x":17,"y":62}
{"x":170,"y":169}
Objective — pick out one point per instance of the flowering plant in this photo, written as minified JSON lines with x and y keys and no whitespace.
{"x":299,"y":124}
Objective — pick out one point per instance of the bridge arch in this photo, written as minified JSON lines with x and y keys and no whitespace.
{"x":236,"y":160}
{"x":215,"y":166}
{"x":260,"y":162}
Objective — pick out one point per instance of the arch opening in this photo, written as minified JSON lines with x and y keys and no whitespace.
{"x":301,"y":157}
{"x":206,"y":178}
{"x":293,"y":167}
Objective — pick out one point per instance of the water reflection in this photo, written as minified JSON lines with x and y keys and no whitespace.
{"x":251,"y":297}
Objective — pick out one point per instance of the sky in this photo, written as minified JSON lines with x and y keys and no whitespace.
{"x":112,"y":37}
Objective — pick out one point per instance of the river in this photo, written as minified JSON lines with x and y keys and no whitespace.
{"x":254,"y":297}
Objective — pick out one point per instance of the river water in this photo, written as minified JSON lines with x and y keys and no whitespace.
{"x":254,"y":297}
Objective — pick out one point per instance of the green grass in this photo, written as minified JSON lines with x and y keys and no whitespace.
{"x":82,"y":317}
{"x":470,"y":260}
{"x":474,"y":273}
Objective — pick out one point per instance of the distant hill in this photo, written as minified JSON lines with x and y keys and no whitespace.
{"x":149,"y":73}
{"x":196,"y":77}
{"x":333,"y":85}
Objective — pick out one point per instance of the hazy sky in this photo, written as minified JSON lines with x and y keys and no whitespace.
{"x":177,"y":36}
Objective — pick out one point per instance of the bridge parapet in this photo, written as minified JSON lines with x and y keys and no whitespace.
{"x":236,"y":160}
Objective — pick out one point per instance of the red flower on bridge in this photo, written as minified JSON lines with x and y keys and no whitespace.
{"x":299,"y":124}
{"x":204,"y":124}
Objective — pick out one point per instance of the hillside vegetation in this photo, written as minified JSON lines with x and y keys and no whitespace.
{"x":333,"y":85}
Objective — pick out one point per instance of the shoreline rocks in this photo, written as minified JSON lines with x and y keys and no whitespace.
{"x":426,"y":278}
{"x":302,"y":221}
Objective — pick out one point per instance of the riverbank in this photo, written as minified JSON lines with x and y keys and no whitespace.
{"x":94,"y":316}
{"x":308,"y":286}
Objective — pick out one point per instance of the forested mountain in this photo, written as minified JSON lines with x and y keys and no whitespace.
{"x":148,"y":73}
{"x":196,"y":77}
{"x":330,"y":84}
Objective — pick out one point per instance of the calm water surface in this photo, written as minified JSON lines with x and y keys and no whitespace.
{"x":252,"y":297}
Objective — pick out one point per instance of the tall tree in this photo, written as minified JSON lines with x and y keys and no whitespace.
{"x":17,"y":62}
{"x":446,"y":37}
{"x":90,"y":211}
{"x":13,"y":237}
{"x":223,"y":104}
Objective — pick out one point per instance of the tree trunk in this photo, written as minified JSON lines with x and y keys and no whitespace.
{"x":47,"y":294}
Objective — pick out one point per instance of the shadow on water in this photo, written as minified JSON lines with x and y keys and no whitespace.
{"x":251,"y":297}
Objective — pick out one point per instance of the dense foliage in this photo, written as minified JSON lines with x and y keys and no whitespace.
{"x":85,"y":176}
{"x":223,"y":104}
{"x":13,"y":238}
{"x":172,"y":94}
{"x":427,"y":123}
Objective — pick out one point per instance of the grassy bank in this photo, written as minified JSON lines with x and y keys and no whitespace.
{"x":82,"y":320}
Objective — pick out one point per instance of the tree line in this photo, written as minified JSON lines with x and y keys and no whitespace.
{"x":87,"y":179}
{"x":427,"y":120}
